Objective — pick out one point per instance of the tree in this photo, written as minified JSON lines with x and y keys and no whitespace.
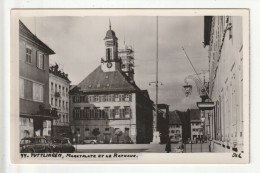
{"x":118,"y":133}
{"x":96,"y":132}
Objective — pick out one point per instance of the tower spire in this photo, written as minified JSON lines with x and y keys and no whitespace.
{"x":109,"y":24}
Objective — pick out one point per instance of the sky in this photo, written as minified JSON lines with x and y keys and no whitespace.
{"x":79,"y":46}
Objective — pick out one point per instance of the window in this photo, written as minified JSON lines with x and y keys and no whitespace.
{"x":63,"y":105}
{"x":96,"y":98}
{"x":128,"y":97}
{"x":127,"y":112}
{"x":86,"y":129}
{"x":107,"y":129}
{"x":21,"y":87}
{"x":91,"y":113}
{"x":96,"y":111}
{"x":76,"y":99}
{"x":67,"y":105}
{"x":87,"y":113}
{"x":116,"y":98}
{"x":76,"y":113}
{"x":82,"y":99}
{"x":55,"y":102}
{"x":92,"y":98}
{"x":108,"y":54}
{"x":121,"y":97}
{"x":51,"y":86}
{"x":37,"y":92}
{"x":55,"y":87}
{"x":52,"y":101}
{"x":28,"y":54}
{"x":106,"y":111}
{"x":59,"y":103}
{"x":40,"y":60}
{"x":110,"y":98}
{"x":59,"y":88}
{"x":100,"y":98}
{"x":116,"y":111}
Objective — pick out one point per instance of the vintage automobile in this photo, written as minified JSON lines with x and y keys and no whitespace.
{"x":89,"y":141}
{"x":62,"y":145}
{"x":35,"y":145}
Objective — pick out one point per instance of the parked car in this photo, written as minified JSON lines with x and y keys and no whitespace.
{"x":35,"y":145}
{"x":62,"y":145}
{"x":89,"y":141}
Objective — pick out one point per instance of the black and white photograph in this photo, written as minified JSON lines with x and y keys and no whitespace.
{"x":127,"y":85}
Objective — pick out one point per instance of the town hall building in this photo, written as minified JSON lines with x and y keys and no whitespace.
{"x":107,"y":105}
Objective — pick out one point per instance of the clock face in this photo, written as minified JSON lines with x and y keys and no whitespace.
{"x":109,"y":65}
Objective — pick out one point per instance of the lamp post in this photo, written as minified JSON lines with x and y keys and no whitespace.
{"x":155,"y":133}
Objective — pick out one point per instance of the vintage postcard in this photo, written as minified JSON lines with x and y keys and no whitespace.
{"x":130,"y":86}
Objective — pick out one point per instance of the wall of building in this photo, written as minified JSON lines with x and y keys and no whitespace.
{"x":144,"y":119}
{"x":86,"y":126}
{"x":63,"y":109}
{"x":196,"y":131}
{"x":31,"y":72}
{"x":175,"y":132}
{"x":226,"y":81}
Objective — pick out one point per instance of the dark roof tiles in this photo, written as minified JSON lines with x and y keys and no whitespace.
{"x":99,"y":81}
{"x":174,"y":118}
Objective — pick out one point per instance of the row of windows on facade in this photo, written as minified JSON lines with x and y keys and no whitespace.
{"x":63,"y":119}
{"x":58,"y":103}
{"x":30,"y":90}
{"x":39,"y":57}
{"x":107,"y":129}
{"x":173,"y":131}
{"x":196,"y":130}
{"x":105,"y":113}
{"x":102,"y":98}
{"x":195,"y":124}
{"x":61,"y":88}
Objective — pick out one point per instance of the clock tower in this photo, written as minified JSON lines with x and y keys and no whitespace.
{"x":111,"y":61}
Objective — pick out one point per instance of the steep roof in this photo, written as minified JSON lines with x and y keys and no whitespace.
{"x":195,"y":115}
{"x":28,"y":35}
{"x":174,"y":118}
{"x":100,"y":81}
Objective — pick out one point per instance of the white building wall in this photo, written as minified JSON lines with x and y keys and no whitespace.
{"x":63,"y":111}
{"x":227,"y":118}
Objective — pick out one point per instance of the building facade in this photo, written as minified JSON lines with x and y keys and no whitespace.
{"x":175,"y":127}
{"x":108,"y":101}
{"x":223,"y":36}
{"x":196,"y":125}
{"x":59,"y":99}
{"x":35,"y":111}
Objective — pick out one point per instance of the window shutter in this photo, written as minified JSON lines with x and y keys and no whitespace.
{"x":130,"y":97}
{"x":37,"y":58}
{"x":43,"y":60}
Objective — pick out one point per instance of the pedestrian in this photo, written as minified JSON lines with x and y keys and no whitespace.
{"x":168,"y":146}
